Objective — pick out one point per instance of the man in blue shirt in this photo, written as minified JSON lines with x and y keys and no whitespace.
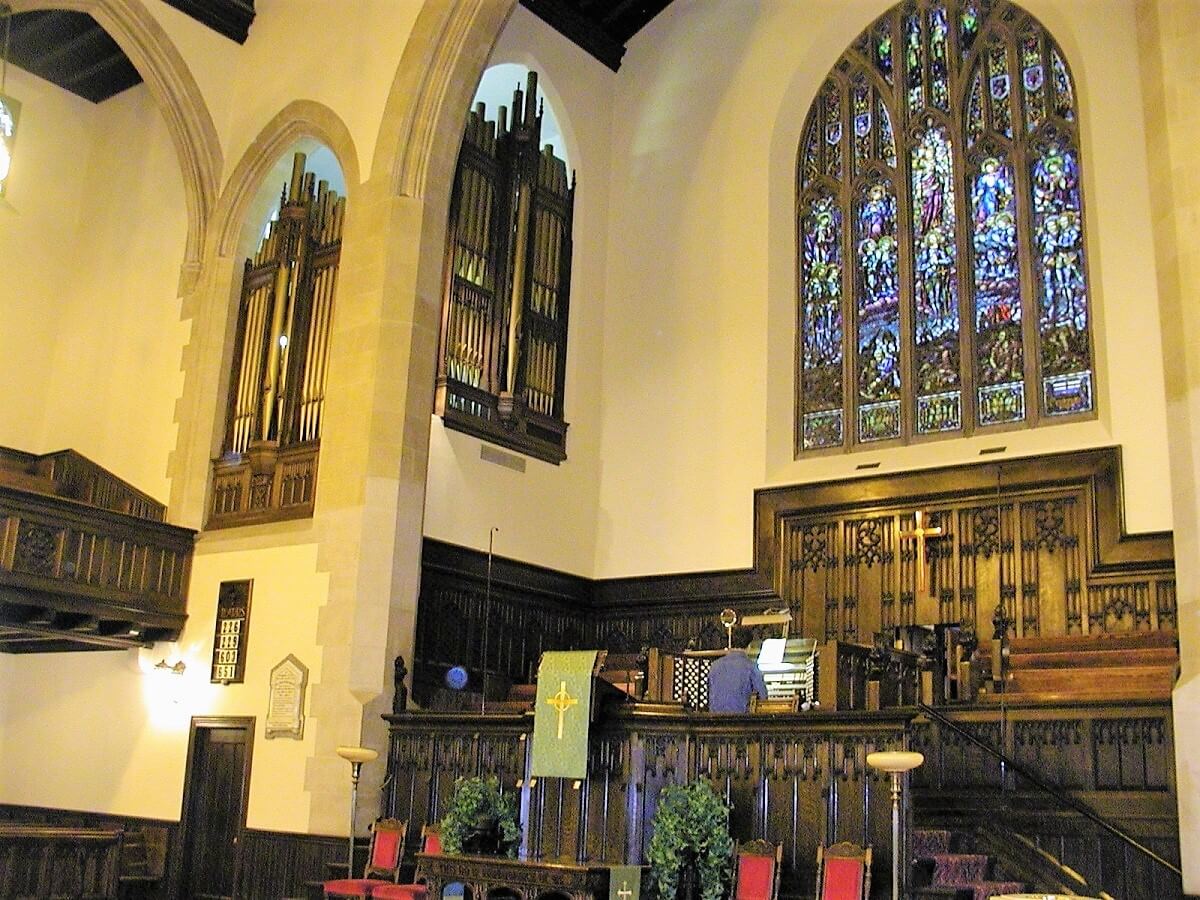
{"x":734,"y":677}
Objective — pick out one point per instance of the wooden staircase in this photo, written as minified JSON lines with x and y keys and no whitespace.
{"x":943,"y":869}
{"x":1138,"y":665}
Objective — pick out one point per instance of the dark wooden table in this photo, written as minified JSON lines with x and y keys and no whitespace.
{"x":528,"y":880}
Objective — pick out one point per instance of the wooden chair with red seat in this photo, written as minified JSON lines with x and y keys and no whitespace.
{"x":843,"y":872}
{"x":383,"y":862}
{"x":758,"y":866}
{"x":431,"y":842}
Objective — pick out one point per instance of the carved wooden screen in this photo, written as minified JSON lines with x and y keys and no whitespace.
{"x":508,"y":276}
{"x":267,"y":469}
{"x":1028,"y":536}
{"x":943,"y":279}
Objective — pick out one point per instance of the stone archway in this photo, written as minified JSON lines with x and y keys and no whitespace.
{"x":374,"y":452}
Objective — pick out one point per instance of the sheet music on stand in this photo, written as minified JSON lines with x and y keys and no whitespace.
{"x":789,"y":667}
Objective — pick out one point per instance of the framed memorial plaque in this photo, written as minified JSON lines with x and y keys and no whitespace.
{"x":232,"y":632}
{"x":285,"y":706}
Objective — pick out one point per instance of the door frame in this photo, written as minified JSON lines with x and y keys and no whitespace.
{"x":210,"y":723}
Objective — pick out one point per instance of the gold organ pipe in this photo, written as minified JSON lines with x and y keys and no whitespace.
{"x":254,"y":354}
{"x":339,"y":216}
{"x":248,"y":393}
{"x":323,"y":356}
{"x":489,"y":197}
{"x":297,"y":178}
{"x":467,"y":214}
{"x":271,"y":380}
{"x":556,"y":261}
{"x":317,"y":337}
{"x":309,"y":353}
{"x":514,"y":323}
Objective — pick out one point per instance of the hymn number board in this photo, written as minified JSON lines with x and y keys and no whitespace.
{"x":232,"y":632}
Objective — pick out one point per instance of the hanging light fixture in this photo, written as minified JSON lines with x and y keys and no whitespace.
{"x":10,"y":109}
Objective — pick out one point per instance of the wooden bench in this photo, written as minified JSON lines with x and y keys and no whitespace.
{"x":52,"y":861}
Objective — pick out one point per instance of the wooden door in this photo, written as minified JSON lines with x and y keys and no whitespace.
{"x":214,"y":806}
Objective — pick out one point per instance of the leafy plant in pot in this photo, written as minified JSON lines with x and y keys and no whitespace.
{"x":691,"y":835}
{"x":480,"y":819}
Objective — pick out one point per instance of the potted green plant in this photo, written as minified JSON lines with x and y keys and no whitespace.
{"x":691,"y":832}
{"x":480,"y":819}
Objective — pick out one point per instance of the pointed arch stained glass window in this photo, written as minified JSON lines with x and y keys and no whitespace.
{"x":943,"y":276}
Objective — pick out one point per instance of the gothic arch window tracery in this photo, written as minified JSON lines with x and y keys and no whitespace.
{"x":942,"y":268}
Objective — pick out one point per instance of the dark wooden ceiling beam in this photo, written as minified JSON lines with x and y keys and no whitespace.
{"x":71,"y":50}
{"x":231,"y":18}
{"x":581,"y":30}
{"x":628,"y":17}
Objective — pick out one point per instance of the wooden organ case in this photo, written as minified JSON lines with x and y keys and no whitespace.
{"x":507,"y":283}
{"x":268,"y":464}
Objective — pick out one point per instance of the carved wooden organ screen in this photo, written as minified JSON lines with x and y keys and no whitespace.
{"x":507,"y":283}
{"x":267,"y":468}
{"x":1035,"y":549}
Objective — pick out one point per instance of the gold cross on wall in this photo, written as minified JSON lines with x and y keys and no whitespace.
{"x":562,"y":701}
{"x":625,"y":893}
{"x":921,"y":534}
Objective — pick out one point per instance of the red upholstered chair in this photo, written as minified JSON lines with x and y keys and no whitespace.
{"x":383,"y":862}
{"x":843,"y":872}
{"x":758,"y":865}
{"x":431,"y":842}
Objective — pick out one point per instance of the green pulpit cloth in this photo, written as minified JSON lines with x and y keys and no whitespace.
{"x":624,"y":882}
{"x":562,"y":713}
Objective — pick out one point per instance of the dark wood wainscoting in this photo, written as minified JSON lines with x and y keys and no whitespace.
{"x":274,"y":863}
{"x":524,"y":610}
{"x":1043,"y":537}
{"x":281,"y":864}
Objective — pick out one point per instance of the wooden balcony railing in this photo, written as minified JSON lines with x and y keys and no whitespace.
{"x":85,"y":559}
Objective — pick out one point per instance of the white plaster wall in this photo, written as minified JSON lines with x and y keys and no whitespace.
{"x":342,"y":53}
{"x":38,"y":220}
{"x":134,"y":720}
{"x":547,"y":514}
{"x":115,"y":367}
{"x":700,"y":303}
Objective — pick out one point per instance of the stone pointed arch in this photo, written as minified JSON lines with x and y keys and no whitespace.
{"x":443,"y":59}
{"x":178,"y":96}
{"x":298,"y":120}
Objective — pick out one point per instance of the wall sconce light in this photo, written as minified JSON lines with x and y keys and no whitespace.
{"x":10,"y":109}
{"x":177,"y":669}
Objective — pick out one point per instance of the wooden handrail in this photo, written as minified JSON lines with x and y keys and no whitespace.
{"x":1059,"y":795}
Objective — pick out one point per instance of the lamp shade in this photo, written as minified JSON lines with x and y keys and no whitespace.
{"x":895,"y":760}
{"x":357,"y":754}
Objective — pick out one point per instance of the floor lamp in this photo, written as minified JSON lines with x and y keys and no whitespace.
{"x":895,"y":763}
{"x":356,"y":757}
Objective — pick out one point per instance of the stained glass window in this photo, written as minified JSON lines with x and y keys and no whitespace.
{"x":943,"y":276}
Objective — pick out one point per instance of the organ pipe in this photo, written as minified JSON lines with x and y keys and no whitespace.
{"x":278,"y":389}
{"x":507,"y":275}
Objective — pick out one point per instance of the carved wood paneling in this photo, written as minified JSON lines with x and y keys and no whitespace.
{"x":1041,"y":537}
{"x":798,"y":780}
{"x":134,"y":865}
{"x":72,"y":574}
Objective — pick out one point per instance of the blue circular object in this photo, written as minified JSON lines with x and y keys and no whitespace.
{"x":456,"y":678}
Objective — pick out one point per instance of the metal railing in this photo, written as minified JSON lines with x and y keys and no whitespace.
{"x":1058,"y":794}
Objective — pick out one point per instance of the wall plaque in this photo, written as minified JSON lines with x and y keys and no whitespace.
{"x":232,"y":632}
{"x":285,"y":706}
